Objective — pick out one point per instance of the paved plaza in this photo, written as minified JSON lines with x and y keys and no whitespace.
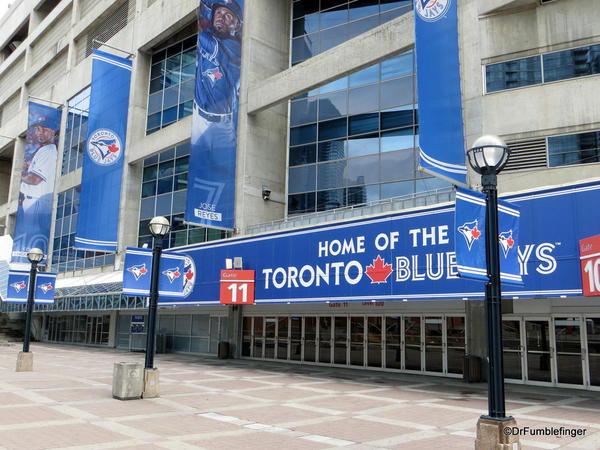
{"x":212,"y":404}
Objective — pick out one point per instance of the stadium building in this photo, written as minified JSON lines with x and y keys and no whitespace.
{"x":327,"y":139}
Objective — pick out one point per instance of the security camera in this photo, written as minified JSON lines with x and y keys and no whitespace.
{"x":266,"y":193}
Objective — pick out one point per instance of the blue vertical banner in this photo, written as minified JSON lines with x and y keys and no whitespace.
{"x":211,"y":179}
{"x":34,"y":213}
{"x":509,"y":216}
{"x":441,"y":135}
{"x":469,"y":239}
{"x":18,"y":287}
{"x":97,"y":222}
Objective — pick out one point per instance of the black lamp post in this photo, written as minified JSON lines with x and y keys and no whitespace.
{"x":159,"y":227}
{"x":488,"y":157}
{"x":35,"y":255}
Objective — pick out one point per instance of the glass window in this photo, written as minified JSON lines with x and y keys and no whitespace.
{"x":303,"y":135}
{"x":397,"y":92}
{"x":75,"y":131}
{"x":171,"y":88}
{"x":513,"y":74}
{"x":397,"y":67}
{"x":397,"y":140}
{"x":359,"y":195}
{"x":363,"y":99}
{"x":331,"y":175}
{"x":402,"y":116}
{"x":301,"y":203}
{"x":363,"y":123}
{"x":302,"y":179}
{"x":303,"y":111}
{"x":331,"y":199}
{"x":333,"y":105}
{"x":333,"y":129}
{"x":398,"y":165}
{"x":572,"y":149}
{"x":363,"y":145}
{"x":362,"y":170}
{"x":365,"y":76}
{"x":577,"y":62}
{"x":305,"y":154}
{"x":331,"y":150}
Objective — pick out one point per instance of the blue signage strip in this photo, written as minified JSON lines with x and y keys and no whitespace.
{"x":34,"y":214}
{"x":18,"y":287}
{"x":211,"y":185}
{"x":508,"y":240}
{"x":469,"y":230}
{"x":137,"y":271}
{"x":441,"y":136}
{"x":404,"y":256}
{"x":98,"y":219}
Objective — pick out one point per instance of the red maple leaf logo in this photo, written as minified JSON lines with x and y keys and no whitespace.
{"x":189,"y":274}
{"x":49,"y":287}
{"x":143,"y":271}
{"x":476,"y":233}
{"x":218,"y":75}
{"x":176,"y":274}
{"x":113,"y":148}
{"x":510,"y":241}
{"x":379,"y":271}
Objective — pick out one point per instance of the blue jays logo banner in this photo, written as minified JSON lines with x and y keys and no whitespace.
{"x":211,"y":186}
{"x":34,"y":213}
{"x":469,"y":228}
{"x":508,"y":240}
{"x":402,"y":256}
{"x":441,"y":138}
{"x":18,"y":287}
{"x":138,"y":267}
{"x":97,"y":222}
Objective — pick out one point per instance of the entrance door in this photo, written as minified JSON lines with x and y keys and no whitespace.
{"x":412,"y":343}
{"x":569,"y":357}
{"x":296,"y":338}
{"x":325,"y":330}
{"x":357,"y":341}
{"x":270,"y":329}
{"x":374,"y":341}
{"x":340,"y":342}
{"x":513,"y":349}
{"x":393,"y":347}
{"x":538,"y":350}
{"x":310,"y":339}
{"x":455,"y":344}
{"x":592,"y":325}
{"x":259,"y":335}
{"x":282,"y":338}
{"x":434,"y":348}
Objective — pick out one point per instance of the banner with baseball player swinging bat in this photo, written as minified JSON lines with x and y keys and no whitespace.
{"x":211,"y":187}
{"x":441,"y":135}
{"x":98,"y":219}
{"x":34,"y":213}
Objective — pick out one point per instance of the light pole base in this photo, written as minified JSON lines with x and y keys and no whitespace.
{"x":25,"y":362}
{"x":151,"y":383}
{"x":497,"y":434}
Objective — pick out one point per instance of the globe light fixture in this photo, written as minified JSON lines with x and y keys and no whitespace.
{"x":159,"y":226}
{"x":35,"y":255}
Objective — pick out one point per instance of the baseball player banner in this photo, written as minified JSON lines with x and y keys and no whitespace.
{"x":441,"y":136}
{"x":34,"y":213}
{"x":469,"y":229}
{"x":211,"y":188}
{"x":18,"y":287}
{"x":97,"y":222}
{"x":138,"y":269}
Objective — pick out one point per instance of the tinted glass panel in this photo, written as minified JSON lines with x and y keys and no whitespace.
{"x":331,"y":199}
{"x":574,"y":149}
{"x":513,"y":74}
{"x":573,"y":63}
{"x":304,"y":154}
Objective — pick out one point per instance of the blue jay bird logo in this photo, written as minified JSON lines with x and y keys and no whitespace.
{"x":432,"y":10}
{"x":172,"y":274}
{"x":470,"y":232}
{"x":46,"y":287}
{"x":506,"y":241}
{"x":138,"y":271}
{"x":19,"y":285}
{"x":104,"y":147}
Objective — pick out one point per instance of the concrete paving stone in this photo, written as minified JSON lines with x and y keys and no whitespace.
{"x":208,"y":401}
{"x":446,"y":442}
{"x":58,"y":436}
{"x":168,"y":388}
{"x":428,"y":415}
{"x":172,"y":426}
{"x":77,"y":395}
{"x":348,"y":403}
{"x":45,"y":383}
{"x":586,"y":403}
{"x":396,"y":394}
{"x":354,"y":430}
{"x":9,"y":398}
{"x":259,"y":440}
{"x":556,"y":440}
{"x":274,"y":414}
{"x":282,"y":393}
{"x":29,"y":414}
{"x":121,"y":408}
{"x":231,"y":385}
{"x":575,"y":415}
{"x":481,"y":404}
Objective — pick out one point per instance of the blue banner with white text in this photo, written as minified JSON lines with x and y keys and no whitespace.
{"x":36,"y":192}
{"x":441,"y":135}
{"x":104,"y":154}
{"x":470,"y":229}
{"x":138,"y":268}
{"x":18,"y":287}
{"x":401,"y":256}
{"x":508,"y":240}
{"x":211,"y":177}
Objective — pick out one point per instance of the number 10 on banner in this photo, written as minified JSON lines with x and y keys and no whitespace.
{"x":237,"y":287}
{"x":589,"y":250}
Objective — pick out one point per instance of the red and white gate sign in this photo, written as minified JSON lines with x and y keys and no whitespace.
{"x":237,"y":287}
{"x":589,"y":253}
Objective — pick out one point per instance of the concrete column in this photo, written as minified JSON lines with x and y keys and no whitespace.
{"x":262,"y":142}
{"x":112,"y":329}
{"x":17,"y":166}
{"x":234,"y":330}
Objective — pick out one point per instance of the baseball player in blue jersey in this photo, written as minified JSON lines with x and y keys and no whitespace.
{"x":216,"y":97}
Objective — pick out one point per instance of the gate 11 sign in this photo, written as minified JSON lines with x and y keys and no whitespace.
{"x":237,"y":287}
{"x":589,"y":252}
